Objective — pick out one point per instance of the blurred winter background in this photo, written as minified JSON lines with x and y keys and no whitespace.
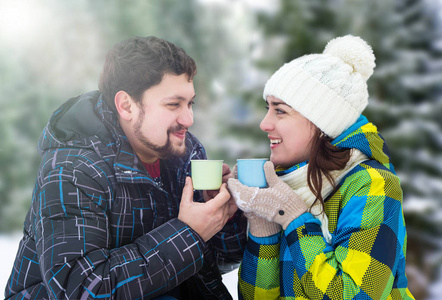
{"x":52,"y":50}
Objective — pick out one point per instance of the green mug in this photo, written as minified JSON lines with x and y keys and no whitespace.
{"x":207,"y":174}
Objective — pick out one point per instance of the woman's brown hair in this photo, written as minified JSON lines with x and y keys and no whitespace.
{"x":324,"y":158}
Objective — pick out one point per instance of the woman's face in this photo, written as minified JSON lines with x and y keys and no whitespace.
{"x":289,"y":132}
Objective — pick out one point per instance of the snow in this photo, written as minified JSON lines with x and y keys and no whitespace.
{"x":8,"y":249}
{"x":231,"y":280}
{"x":436,"y":287}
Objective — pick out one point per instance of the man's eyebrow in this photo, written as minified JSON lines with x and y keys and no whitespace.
{"x":177,"y":97}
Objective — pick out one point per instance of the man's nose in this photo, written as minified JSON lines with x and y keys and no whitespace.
{"x":186,"y":118}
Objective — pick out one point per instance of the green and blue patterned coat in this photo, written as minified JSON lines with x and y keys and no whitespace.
{"x":366,"y":257}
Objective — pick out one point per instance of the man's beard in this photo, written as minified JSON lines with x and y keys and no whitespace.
{"x":167,"y":151}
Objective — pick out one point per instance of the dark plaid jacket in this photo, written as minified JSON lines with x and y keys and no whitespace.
{"x":100,"y":227}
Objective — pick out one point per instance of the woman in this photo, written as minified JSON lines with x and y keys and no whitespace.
{"x":330,"y":224}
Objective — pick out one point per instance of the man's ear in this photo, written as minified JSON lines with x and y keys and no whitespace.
{"x":124,"y":105}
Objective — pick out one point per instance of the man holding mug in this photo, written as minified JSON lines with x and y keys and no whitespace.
{"x":113,"y":213}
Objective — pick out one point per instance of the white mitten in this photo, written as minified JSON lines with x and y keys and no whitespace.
{"x":277,"y":203}
{"x":258,"y":226}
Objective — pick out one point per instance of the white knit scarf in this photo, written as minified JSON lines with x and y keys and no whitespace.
{"x":297,"y":180}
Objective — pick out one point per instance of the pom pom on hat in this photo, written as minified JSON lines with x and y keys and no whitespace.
{"x":330,"y":88}
{"x":354,"y":51}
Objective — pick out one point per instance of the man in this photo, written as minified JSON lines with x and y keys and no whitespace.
{"x":113,"y":213}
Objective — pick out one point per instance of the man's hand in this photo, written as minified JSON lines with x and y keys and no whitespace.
{"x":227,"y":174}
{"x":205,"y":218}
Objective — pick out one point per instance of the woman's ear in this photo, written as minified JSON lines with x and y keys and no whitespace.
{"x":123,"y":103}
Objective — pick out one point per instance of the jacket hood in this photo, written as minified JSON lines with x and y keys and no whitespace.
{"x":364,"y":136}
{"x":74,"y":123}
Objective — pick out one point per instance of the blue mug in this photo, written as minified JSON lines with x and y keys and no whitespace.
{"x":251,"y":172}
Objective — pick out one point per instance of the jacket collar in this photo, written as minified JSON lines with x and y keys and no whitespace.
{"x":365,"y":137}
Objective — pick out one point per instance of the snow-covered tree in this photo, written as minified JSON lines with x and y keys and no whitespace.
{"x":405,"y":94}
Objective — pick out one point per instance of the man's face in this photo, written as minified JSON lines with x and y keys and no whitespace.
{"x":161,"y":120}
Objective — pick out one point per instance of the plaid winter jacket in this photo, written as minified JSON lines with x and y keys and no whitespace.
{"x":100,"y":227}
{"x":366,"y":257}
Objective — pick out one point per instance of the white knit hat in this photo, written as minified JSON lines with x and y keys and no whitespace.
{"x":329,"y":89}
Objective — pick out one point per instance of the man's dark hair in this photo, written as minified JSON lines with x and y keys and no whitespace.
{"x":138,"y":63}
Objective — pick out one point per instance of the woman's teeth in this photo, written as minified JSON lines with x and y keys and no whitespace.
{"x":275,"y":141}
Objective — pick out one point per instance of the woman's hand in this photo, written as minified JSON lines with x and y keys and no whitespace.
{"x":277,"y":203}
